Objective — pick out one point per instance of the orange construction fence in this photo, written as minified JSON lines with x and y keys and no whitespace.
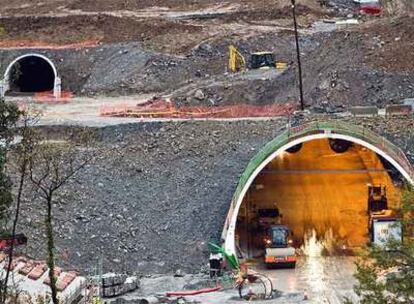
{"x":32,"y":44}
{"x":166,"y":109}
{"x":48,"y":97}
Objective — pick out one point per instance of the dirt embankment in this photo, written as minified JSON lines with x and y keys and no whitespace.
{"x":389,"y":44}
{"x":103,"y":28}
{"x":365,"y":64}
{"x":110,"y":5}
{"x":362,"y":65}
{"x":161,"y":25}
{"x":33,"y":7}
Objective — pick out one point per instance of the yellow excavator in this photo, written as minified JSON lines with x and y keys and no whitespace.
{"x":237,"y":63}
{"x":258,"y":60}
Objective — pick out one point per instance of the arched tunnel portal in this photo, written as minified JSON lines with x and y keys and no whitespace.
{"x":317,"y":174}
{"x":31,"y":73}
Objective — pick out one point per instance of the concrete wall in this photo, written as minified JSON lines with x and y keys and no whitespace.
{"x":155,"y":206}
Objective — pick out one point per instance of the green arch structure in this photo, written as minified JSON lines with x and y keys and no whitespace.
{"x":329,"y":129}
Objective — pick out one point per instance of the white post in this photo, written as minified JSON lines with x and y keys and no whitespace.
{"x":2,"y":90}
{"x":57,"y":89}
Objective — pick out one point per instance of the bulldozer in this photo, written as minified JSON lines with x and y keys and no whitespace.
{"x":278,"y":247}
{"x":257,"y":60}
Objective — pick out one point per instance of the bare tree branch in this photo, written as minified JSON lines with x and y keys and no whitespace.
{"x":51,"y":166}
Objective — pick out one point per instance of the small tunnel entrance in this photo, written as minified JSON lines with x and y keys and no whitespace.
{"x":31,"y":74}
{"x":319,"y":186}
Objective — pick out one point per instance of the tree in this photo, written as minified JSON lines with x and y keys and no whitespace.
{"x":386,"y":276}
{"x":51,"y":165}
{"x":20,"y":153}
{"x":9,"y":116}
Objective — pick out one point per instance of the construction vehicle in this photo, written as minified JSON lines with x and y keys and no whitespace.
{"x":383,"y":224}
{"x":262,"y":59}
{"x":258,"y":60}
{"x":237,"y":63}
{"x":278,"y":247}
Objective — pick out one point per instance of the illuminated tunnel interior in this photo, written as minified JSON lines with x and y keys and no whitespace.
{"x":31,"y":74}
{"x":320,"y":185}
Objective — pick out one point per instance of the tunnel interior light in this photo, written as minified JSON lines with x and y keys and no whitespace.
{"x":259,"y":186}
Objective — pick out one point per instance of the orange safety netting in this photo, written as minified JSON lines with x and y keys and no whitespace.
{"x":166,"y":109}
{"x":30,"y":44}
{"x":48,"y":97}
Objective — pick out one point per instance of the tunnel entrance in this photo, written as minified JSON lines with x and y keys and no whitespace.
{"x":30,"y":75}
{"x":323,"y":179}
{"x":321,"y":188}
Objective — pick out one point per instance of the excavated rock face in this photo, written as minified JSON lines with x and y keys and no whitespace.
{"x":154,"y":203}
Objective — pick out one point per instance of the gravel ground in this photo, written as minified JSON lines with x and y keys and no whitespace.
{"x":149,"y":204}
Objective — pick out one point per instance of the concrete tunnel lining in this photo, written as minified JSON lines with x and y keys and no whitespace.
{"x":229,"y":230}
{"x":5,"y":85}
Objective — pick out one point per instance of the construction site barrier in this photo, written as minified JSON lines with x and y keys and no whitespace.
{"x":169,"y":110}
{"x":30,"y":44}
{"x":48,"y":97}
{"x":364,"y":111}
{"x":398,"y":109}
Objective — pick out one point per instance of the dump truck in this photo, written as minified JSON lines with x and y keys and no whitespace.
{"x":278,"y":247}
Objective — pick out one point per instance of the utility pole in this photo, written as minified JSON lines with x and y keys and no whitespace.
{"x":302,"y":104}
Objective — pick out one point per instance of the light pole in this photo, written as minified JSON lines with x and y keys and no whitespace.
{"x":302,"y":104}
